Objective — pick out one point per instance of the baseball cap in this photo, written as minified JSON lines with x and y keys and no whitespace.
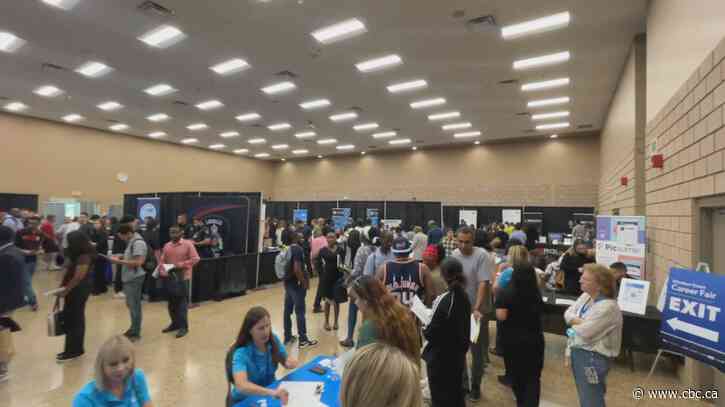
{"x":401,"y":245}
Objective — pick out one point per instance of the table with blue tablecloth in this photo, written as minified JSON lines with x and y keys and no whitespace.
{"x":330,"y":394}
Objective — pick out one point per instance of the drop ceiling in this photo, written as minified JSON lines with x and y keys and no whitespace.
{"x":462,"y":62}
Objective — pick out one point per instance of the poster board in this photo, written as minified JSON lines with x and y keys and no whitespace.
{"x":623,"y":239}
{"x":470,"y":217}
{"x":299,"y":215}
{"x":511,"y":216}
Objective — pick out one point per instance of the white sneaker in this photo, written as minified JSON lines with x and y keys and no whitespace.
{"x":119,"y":296}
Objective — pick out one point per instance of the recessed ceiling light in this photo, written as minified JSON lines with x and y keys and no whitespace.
{"x":407,"y":86}
{"x":157,"y":134}
{"x":315,"y":104}
{"x":158,"y":117}
{"x":279,"y":126}
{"x":10,"y":42}
{"x":551,"y":126}
{"x":346,"y":147}
{"x":256,"y":141}
{"x":209,"y":105}
{"x":422,"y":104}
{"x":197,"y":126}
{"x":241,"y":151}
{"x":319,"y":156}
{"x":305,"y":134}
{"x":341,"y":117}
{"x":385,"y":134}
{"x":444,"y":116}
{"x":190,"y":140}
{"x":248,"y":117}
{"x":231,"y":66}
{"x":299,"y":152}
{"x":48,"y":91}
{"x":110,"y":106}
{"x":280,"y":146}
{"x":162,"y":89}
{"x":279,"y":88}
{"x":283,"y":159}
{"x":362,"y":153}
{"x":539,"y":25}
{"x":229,"y":134}
{"x":552,"y":115}
{"x":456,"y":126}
{"x":261,"y":155}
{"x":467,"y":134}
{"x":543,"y":60}
{"x":72,"y":118}
{"x":379,"y":63}
{"x":365,"y":126}
{"x":554,"y":136}
{"x":554,"y":83}
{"x":118,"y":127}
{"x":217,"y":146}
{"x":163,"y":36}
{"x":414,"y":148}
{"x":94,"y":69}
{"x":62,"y":4}
{"x":477,"y":142}
{"x":399,"y":141}
{"x":548,"y":102}
{"x":16,"y":107}
{"x":327,"y":141}
{"x":340,"y":31}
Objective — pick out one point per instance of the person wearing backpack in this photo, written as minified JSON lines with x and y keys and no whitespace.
{"x":354,"y":241}
{"x":296,"y":283}
{"x":132,"y":276}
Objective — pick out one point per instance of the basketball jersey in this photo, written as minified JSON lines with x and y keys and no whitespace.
{"x":403,"y":280}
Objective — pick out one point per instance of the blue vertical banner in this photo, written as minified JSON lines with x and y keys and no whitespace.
{"x":373,"y":215}
{"x":341,"y":217}
{"x":149,"y":208}
{"x":299,"y":215}
{"x":693,"y":323}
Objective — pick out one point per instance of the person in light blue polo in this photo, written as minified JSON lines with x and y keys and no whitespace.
{"x":118,"y":383}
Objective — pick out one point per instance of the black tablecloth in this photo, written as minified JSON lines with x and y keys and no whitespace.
{"x":220,"y":277}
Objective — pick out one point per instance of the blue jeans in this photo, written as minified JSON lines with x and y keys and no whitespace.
{"x":133,"y":290}
{"x":28,"y":293}
{"x":351,"y":320}
{"x":294,"y":300}
{"x":590,"y":374}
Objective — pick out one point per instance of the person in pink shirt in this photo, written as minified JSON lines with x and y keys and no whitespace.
{"x":182,"y":254}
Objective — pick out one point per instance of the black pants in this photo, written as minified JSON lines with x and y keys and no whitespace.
{"x":524,"y":363}
{"x":353,"y":252}
{"x":117,"y":283}
{"x":444,"y":379}
{"x":74,"y":317}
{"x":179,"y":309}
{"x":100,"y":285}
{"x":318,"y":295}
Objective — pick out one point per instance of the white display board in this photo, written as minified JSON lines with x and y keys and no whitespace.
{"x":633,"y":295}
{"x":511,"y":215}
{"x":468,"y":216}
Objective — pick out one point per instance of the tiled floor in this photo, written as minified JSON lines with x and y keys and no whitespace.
{"x":190,"y":371}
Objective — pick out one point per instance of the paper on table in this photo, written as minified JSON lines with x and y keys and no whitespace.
{"x":564,"y":301}
{"x":475,"y":329}
{"x":423,"y":313}
{"x":302,"y":394}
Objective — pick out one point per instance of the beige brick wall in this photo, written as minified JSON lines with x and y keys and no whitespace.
{"x":689,"y":132}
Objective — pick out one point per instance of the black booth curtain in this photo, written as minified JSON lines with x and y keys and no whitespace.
{"x":175,"y":203}
{"x":20,"y":201}
{"x":555,"y":219}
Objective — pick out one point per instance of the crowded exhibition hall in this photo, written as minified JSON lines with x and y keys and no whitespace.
{"x":413,"y":203}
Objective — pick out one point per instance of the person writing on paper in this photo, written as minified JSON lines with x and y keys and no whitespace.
{"x":117,"y":381}
{"x":595,"y":335}
{"x":257,"y":353}
{"x":448,"y":336}
{"x":385,"y":319}
{"x":182,"y":255}
{"x":519,"y":307}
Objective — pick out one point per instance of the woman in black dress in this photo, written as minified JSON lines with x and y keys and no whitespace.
{"x":332,"y":257}
{"x":100,"y":239}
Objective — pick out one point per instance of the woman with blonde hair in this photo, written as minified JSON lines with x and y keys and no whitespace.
{"x":117,"y":382}
{"x":595,"y":335}
{"x":382,"y":376}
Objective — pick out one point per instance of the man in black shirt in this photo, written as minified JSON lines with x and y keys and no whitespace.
{"x":99,"y":238}
{"x":296,"y":283}
{"x":183,"y":221}
{"x":202,"y":238}
{"x":86,"y":226}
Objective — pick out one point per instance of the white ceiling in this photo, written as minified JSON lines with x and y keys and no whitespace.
{"x":461,"y":64}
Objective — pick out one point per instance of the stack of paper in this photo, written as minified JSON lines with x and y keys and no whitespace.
{"x":303,"y":394}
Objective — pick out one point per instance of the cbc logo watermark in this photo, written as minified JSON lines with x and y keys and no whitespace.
{"x":638,"y":393}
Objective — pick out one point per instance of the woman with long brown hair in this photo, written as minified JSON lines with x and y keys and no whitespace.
{"x":257,"y":353}
{"x":385,"y":319}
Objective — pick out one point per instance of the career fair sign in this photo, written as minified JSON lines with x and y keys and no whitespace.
{"x":622,"y":239}
{"x":693,"y":323}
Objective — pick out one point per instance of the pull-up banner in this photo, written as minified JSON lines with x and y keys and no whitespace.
{"x":148,"y":208}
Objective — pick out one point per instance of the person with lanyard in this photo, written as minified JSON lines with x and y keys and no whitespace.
{"x":182,"y":255}
{"x":202,"y":238}
{"x":405,"y":277}
{"x":30,"y":240}
{"x":255,"y":356}
{"x":117,"y":380}
{"x":595,"y":334}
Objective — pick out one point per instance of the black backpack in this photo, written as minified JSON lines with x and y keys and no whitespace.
{"x":150,"y":263}
{"x":354,"y":239}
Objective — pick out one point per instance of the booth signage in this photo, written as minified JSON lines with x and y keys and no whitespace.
{"x":299,"y":215}
{"x":148,"y":208}
{"x":373,"y":215}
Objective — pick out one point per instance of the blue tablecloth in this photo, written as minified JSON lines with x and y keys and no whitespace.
{"x":330,"y":394}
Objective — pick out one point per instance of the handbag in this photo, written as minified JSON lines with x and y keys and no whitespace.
{"x":340,"y":291}
{"x":56,"y":320}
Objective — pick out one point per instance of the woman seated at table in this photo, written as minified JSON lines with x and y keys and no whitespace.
{"x":380,"y":375}
{"x":385,"y":319}
{"x":118,"y":382}
{"x":257,"y":353}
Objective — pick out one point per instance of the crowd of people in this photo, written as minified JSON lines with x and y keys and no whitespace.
{"x":464,"y":278}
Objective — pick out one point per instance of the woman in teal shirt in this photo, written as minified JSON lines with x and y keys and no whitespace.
{"x":257,"y":354}
{"x":118,"y":383}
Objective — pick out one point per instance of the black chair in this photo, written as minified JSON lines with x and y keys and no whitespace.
{"x":230,"y":376}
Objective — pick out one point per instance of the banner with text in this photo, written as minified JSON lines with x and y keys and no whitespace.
{"x":341,"y":217}
{"x":148,"y":208}
{"x":373,"y":215}
{"x":622,"y":239}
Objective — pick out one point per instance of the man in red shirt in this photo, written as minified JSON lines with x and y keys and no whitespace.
{"x":50,"y":243}
{"x":29,"y":241}
{"x":182,"y":254}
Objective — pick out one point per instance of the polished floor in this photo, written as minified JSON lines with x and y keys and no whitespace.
{"x":189,"y":372}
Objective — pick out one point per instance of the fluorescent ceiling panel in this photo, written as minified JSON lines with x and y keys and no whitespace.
{"x":550,"y":84}
{"x":261,"y":155}
{"x":256,"y":141}
{"x":94,"y":69}
{"x":548,"y":102}
{"x":248,"y":117}
{"x":16,"y":106}
{"x":467,"y":134}
{"x":229,"y":134}
{"x":61,"y":4}
{"x":340,"y":31}
{"x":552,"y":126}
{"x":9,"y":42}
{"x":118,"y":127}
{"x":341,"y":117}
{"x":73,"y":118}
{"x":315,"y":104}
{"x":190,"y":140}
{"x":158,"y":117}
{"x":537,"y":26}
{"x":444,"y":116}
{"x":457,"y":126}
{"x":230,"y":67}
{"x":162,"y":37}
{"x":407,"y":86}
{"x":327,"y":141}
{"x":279,"y":88}
{"x":377,"y":64}
{"x":157,"y":134}
{"x":399,"y":141}
{"x":48,"y":91}
{"x":218,"y":146}
{"x":365,"y":126}
{"x":110,"y":106}
{"x":385,"y":134}
{"x":241,"y":151}
{"x":279,"y":126}
{"x":544,"y":60}
{"x":552,"y":115}
{"x":305,"y":134}
{"x":346,"y":147}
{"x":197,"y":126}
{"x":280,"y":146}
{"x":425,"y":103}
{"x":209,"y":105}
{"x":299,"y":152}
{"x":162,"y":89}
